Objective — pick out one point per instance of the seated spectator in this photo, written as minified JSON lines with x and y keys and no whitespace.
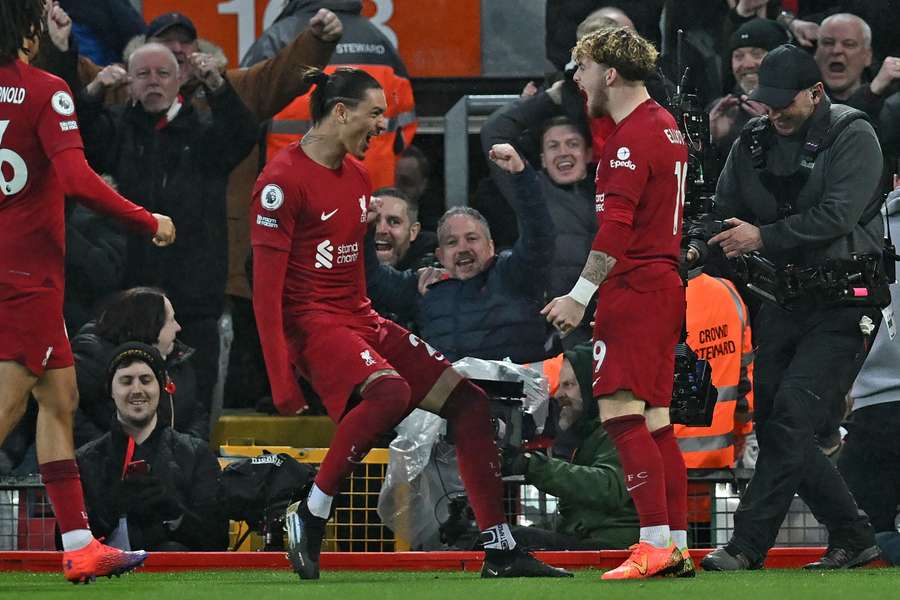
{"x":844,"y":53}
{"x":145,"y":484}
{"x":479,"y":304}
{"x":137,"y":315}
{"x":399,"y":239}
{"x":103,"y":28}
{"x":411,"y":175}
{"x":167,"y":156}
{"x":563,"y":183}
{"x":748,"y":45}
{"x":595,"y":510}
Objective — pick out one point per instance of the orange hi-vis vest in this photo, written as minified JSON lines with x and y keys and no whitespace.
{"x":381,"y":157}
{"x":719,"y":331}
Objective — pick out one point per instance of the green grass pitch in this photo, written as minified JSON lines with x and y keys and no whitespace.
{"x":356,"y":585}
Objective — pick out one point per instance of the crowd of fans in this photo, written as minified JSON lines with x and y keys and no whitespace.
{"x":182,"y":133}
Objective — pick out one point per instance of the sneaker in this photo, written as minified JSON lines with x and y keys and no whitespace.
{"x":683,"y":569}
{"x":97,"y":560}
{"x":646,"y":560}
{"x":304,"y":532}
{"x":721,"y":559}
{"x":843,"y":558}
{"x":517,"y":563}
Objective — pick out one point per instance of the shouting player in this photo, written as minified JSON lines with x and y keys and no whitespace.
{"x":41,"y":161}
{"x":640,"y":306}
{"x":311,"y":207}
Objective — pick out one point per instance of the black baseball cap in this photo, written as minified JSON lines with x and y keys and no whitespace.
{"x":168,"y":20}
{"x":784,"y":72}
{"x":758,"y":33}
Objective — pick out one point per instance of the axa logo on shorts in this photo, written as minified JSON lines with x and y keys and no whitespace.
{"x":346,"y":253}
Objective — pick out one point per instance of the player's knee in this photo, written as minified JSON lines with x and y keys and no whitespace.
{"x":465,"y":398}
{"x":391,"y":392}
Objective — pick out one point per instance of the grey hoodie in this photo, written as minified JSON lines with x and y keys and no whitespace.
{"x":879,"y":380}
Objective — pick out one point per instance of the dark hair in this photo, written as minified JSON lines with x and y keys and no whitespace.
{"x":412,"y":207}
{"x":348,"y":86}
{"x":129,"y":353}
{"x":19,"y":20}
{"x":467,"y":211}
{"x":135,"y":315}
{"x":560,"y":121}
{"x":415,"y":152}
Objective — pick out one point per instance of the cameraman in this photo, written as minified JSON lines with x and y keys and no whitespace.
{"x":595,"y":510}
{"x":146,"y":485}
{"x":801,"y":187}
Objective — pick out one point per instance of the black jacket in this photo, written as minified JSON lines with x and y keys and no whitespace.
{"x":493,"y":315}
{"x":96,"y":411}
{"x":189,"y":472}
{"x":180,"y":170}
{"x":113,"y":22}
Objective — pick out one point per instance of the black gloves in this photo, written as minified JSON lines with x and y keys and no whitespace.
{"x":147,"y":498}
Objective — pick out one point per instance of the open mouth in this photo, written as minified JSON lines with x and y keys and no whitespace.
{"x":383,"y":246}
{"x":564,"y":165}
{"x":465,"y":262}
{"x":837,"y":67}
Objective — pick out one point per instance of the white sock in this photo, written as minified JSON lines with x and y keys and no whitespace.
{"x":658,"y":535}
{"x":318,"y":502}
{"x":679,"y":538}
{"x":76,"y":539}
{"x":498,"y":537}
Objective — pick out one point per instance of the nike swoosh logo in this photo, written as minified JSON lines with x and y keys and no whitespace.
{"x":326,"y":216}
{"x":634,"y":487}
{"x":641,"y":566}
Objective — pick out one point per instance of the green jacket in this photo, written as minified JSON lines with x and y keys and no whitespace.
{"x":593,"y":502}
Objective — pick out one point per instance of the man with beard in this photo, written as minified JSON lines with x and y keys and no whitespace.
{"x":595,"y":510}
{"x":312,"y":208}
{"x":640,"y":307}
{"x":749,"y":44}
{"x":399,"y":239}
{"x":145,"y":484}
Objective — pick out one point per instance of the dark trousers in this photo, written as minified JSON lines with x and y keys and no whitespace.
{"x":202,"y":334}
{"x":870,"y":462}
{"x":806,"y":362}
{"x":535,"y":538}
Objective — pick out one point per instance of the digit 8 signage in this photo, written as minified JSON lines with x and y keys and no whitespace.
{"x":441,"y":40}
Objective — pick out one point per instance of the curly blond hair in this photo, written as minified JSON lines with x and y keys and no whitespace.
{"x":621,"y":48}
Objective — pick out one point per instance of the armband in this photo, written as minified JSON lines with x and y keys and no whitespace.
{"x":583,"y":291}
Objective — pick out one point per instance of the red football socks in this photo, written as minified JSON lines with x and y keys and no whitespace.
{"x":466,"y":410}
{"x":63,"y":485}
{"x":643,"y":468}
{"x":384,"y":403}
{"x":675,"y":476}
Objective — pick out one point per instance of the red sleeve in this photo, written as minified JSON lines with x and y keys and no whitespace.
{"x":269,"y":269}
{"x":614,"y":234}
{"x":273,"y":212}
{"x":79,"y":180}
{"x":56,"y":123}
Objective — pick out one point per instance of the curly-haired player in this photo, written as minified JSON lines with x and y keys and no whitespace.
{"x":640,"y":307}
{"x":41,"y":161}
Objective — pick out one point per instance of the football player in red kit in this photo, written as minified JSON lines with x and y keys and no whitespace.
{"x":41,"y":161}
{"x":311,"y":210}
{"x":640,"y":305}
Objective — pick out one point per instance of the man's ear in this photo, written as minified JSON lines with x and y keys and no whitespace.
{"x":414,"y":230}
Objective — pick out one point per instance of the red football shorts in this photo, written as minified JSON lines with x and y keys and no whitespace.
{"x":32,"y":331}
{"x":634,"y":341}
{"x":336,"y":355}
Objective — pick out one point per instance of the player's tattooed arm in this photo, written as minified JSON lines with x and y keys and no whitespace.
{"x":598,"y":267}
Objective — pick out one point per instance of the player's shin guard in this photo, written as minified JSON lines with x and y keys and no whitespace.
{"x":384,"y":403}
{"x":642,"y":465}
{"x":467,"y":412}
{"x":675,"y":477}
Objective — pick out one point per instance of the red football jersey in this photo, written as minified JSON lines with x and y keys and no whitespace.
{"x":644,"y":163}
{"x":318,"y":215}
{"x":37,"y":120}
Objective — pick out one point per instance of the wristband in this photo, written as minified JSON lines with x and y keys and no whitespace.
{"x":583,"y":291}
